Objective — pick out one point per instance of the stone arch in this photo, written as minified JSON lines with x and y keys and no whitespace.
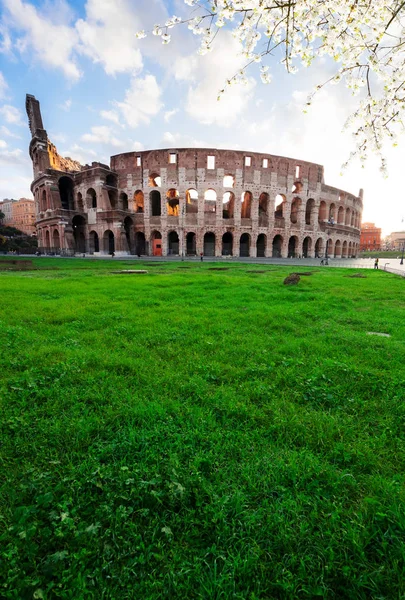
{"x":192,"y":201}
{"x":108,"y":242}
{"x":79,"y":233}
{"x":209,"y":244}
{"x":111,"y":180}
{"x":246,"y":205}
{"x":309,"y":211}
{"x":123,"y":201}
{"x":65,"y":185}
{"x":79,"y":202}
{"x":44,"y":201}
{"x":56,"y":239}
{"x":329,"y":247}
{"x":341,"y":215}
{"x":173,"y":245}
{"x":347,"y":216}
{"x":140,"y":243}
{"x":279,"y":204}
{"x":210,"y":201}
{"x":244,"y":245}
{"x":191,"y":244}
{"x":322,"y":211}
{"x":91,"y":198}
{"x":228,"y":205}
{"x":229,"y":181}
{"x":318,"y":248}
{"x":307,"y":247}
{"x":277,"y":246}
{"x":350,"y":250}
{"x":94,"y":243}
{"x":129,"y":233}
{"x":295,"y":207}
{"x":332,"y":212}
{"x":156,"y":243}
{"x":227,"y":244}
{"x":338,"y":249}
{"x":261,"y":244}
{"x":47,"y":240}
{"x":293,"y":246}
{"x":155,"y":204}
{"x":263,"y":206}
{"x":172,"y":202}
{"x":139,"y":201}
{"x":155,"y":180}
{"x":344,"y":249}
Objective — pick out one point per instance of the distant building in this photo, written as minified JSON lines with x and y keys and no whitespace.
{"x":19,"y":214}
{"x":370,"y":237}
{"x":397,"y":240}
{"x":23,"y":215}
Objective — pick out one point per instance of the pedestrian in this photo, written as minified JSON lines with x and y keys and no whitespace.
{"x":201,"y":256}
{"x":376,"y":264}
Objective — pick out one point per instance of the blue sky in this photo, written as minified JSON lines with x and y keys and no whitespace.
{"x":102,"y":92}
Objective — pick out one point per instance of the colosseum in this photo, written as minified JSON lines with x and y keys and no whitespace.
{"x":188,"y":201}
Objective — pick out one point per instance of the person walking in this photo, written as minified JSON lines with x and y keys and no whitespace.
{"x":376,"y":264}
{"x":202,"y":256}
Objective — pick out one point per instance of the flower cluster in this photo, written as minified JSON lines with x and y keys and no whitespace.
{"x":366,"y":39}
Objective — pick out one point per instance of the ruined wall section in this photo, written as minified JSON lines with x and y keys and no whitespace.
{"x":59,"y":163}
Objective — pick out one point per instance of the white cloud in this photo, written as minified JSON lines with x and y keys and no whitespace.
{"x":13,"y":157}
{"x":6,"y":132}
{"x":3,"y":85}
{"x":3,"y":144}
{"x":213,"y":70}
{"x":110,"y":115}
{"x":51,"y":43}
{"x":170,"y":114}
{"x":5,"y":42}
{"x":178,"y":140}
{"x":66,"y":106}
{"x":11,"y":114}
{"x":101,"y":134}
{"x":82,"y":155}
{"x":142,"y":101}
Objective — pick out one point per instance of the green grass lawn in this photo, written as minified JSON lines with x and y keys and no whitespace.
{"x":200,"y":433}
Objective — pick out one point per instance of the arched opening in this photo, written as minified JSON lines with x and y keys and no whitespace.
{"x":297,"y":187}
{"x":350,"y":250}
{"x":261,"y":245}
{"x":210,"y":201}
{"x":277,"y":246}
{"x":347,"y":219}
{"x":129,"y":233}
{"x":322,"y":211}
{"x":112,"y":196}
{"x":352,"y":219}
{"x":156,"y":239}
{"x":43,"y":203}
{"x":172,"y":203}
{"x":173,"y":243}
{"x":65,"y":185}
{"x":309,"y":208}
{"x":79,"y":233}
{"x":94,"y":244}
{"x":279,"y":203}
{"x":263,"y":205}
{"x":338,"y":249}
{"x":341,"y":215}
{"x":123,"y":201}
{"x":319,"y":248}
{"x":307,"y":247}
{"x":295,"y":206}
{"x":79,"y":202}
{"x":244,"y":245}
{"x":91,"y":198}
{"x":227,"y":244}
{"x":228,"y":205}
{"x":155,"y":204}
{"x":229,"y":181}
{"x":292,"y":246}
{"x":111,"y":180}
{"x":332,"y":213}
{"x":56,"y":240}
{"x":155,"y":180}
{"x":139,"y":201}
{"x":344,"y":250}
{"x":47,"y":240}
{"x":246,"y":206}
{"x":108,"y":242}
{"x":140,"y":243}
{"x":209,"y":244}
{"x":329,"y":247}
{"x":191,"y":246}
{"x":191,"y":202}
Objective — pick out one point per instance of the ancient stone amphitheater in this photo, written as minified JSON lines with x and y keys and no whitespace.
{"x":189,"y":201}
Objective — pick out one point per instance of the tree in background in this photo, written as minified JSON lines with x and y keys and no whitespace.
{"x":365,"y":38}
